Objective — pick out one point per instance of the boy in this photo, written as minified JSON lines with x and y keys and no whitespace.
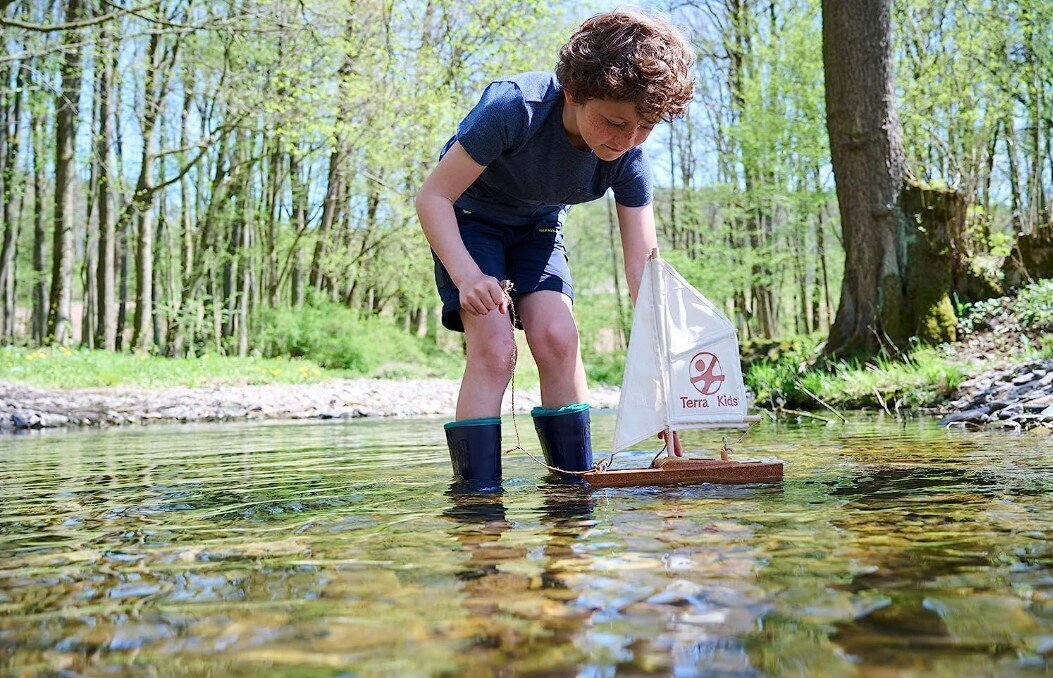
{"x":494,"y":208}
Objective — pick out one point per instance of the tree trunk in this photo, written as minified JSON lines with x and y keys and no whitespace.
{"x":106,"y":325}
{"x":122,"y":284}
{"x":802,"y":321}
{"x":820,"y":243}
{"x":866,"y":146}
{"x":329,"y":208}
{"x":1036,"y":191}
{"x":144,"y":280}
{"x":162,"y":267}
{"x":59,"y":322}
{"x":217,"y":309}
{"x":298,"y":190}
{"x":673,"y":228}
{"x":269,"y":272}
{"x":9,"y":146}
{"x":245,"y":292}
{"x":296,"y":291}
{"x":1020,"y":226}
{"x":40,"y":286}
{"x":624,"y":321}
{"x":89,"y":263}
{"x":89,"y":273}
{"x":181,"y":301}
{"x":142,"y":332}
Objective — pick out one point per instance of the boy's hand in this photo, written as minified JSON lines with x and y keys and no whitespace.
{"x":677,"y":448}
{"x":481,"y":294}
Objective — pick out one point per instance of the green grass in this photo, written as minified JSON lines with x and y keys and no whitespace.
{"x":922,"y":378}
{"x":83,"y":368}
{"x":305,"y":345}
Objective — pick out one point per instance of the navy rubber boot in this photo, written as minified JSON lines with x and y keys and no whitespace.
{"x":475,"y":452}
{"x":565,"y":436}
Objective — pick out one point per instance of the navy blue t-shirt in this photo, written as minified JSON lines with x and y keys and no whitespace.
{"x":533,"y":172}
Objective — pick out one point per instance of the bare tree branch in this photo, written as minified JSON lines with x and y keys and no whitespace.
{"x":74,"y":25}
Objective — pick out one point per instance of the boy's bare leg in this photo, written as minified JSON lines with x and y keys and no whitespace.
{"x":488,"y":366}
{"x":553,"y":339}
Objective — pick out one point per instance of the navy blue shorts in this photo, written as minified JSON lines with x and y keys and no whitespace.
{"x":533,"y":257}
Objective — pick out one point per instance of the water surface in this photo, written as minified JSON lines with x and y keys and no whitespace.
{"x":331,"y":548}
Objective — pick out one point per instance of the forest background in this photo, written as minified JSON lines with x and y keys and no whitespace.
{"x":236,"y":178}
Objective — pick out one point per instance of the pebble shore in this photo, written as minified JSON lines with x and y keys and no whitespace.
{"x":1018,"y":397}
{"x":27,"y":408}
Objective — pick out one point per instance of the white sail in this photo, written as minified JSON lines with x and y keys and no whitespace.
{"x":682,"y":368}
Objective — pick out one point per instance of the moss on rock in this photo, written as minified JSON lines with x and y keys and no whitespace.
{"x":934,"y":218}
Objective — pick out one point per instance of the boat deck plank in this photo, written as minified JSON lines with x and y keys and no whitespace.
{"x":673,"y":471}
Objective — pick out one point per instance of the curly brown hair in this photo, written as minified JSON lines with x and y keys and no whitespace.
{"x":629,"y":55}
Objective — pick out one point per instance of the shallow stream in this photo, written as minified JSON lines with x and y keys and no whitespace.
{"x":338,"y":548}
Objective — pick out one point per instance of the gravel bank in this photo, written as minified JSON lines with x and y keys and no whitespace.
{"x":1018,"y":397}
{"x":23,"y":407}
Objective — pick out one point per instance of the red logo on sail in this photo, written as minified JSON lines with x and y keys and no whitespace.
{"x":706,"y":375}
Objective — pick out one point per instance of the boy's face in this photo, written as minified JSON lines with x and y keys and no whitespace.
{"x":608,"y":127}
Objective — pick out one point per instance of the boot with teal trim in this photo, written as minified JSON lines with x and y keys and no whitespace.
{"x":475,"y":452}
{"x":565,"y":436}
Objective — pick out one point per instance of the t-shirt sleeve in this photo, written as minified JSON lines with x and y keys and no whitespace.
{"x":496,"y":124}
{"x":632,"y":185}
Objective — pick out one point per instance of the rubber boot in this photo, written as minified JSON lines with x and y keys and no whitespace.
{"x":565,"y":436}
{"x":475,"y":452}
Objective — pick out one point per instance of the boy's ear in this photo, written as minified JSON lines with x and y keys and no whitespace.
{"x":568,"y":96}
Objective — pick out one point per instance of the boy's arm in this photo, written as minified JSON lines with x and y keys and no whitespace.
{"x":636,"y":225}
{"x":480,"y":293}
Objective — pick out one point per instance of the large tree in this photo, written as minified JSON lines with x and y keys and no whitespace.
{"x":891,"y":290}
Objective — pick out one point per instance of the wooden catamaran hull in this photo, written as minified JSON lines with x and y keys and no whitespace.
{"x":672,"y":471}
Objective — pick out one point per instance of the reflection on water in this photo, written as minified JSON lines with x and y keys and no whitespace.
{"x":342,"y":547}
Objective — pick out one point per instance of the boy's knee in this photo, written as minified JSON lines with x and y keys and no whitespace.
{"x":555,"y":342}
{"x":495,"y":354}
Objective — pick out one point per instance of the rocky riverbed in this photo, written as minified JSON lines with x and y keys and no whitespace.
{"x":1018,"y":397}
{"x":26,"y":408}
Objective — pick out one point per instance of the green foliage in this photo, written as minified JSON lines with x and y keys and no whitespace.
{"x":602,"y":345}
{"x":1031,"y":308}
{"x":605,"y":367}
{"x":1045,"y":346}
{"x":1001,"y":244}
{"x":918,"y":379}
{"x":967,"y":80}
{"x":802,"y":348}
{"x":1034,"y":305}
{"x":341,"y":338}
{"x":744,"y":194}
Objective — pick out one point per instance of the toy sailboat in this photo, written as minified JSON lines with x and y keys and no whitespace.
{"x":682,"y":372}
